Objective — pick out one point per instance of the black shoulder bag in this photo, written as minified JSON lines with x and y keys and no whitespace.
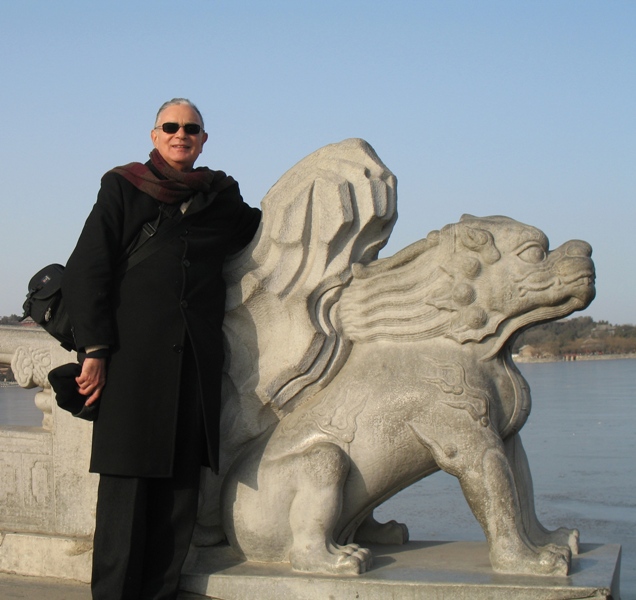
{"x":44,"y":302}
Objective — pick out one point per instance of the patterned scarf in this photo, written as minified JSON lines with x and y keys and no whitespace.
{"x":177,"y":186}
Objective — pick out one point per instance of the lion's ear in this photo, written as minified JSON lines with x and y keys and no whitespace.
{"x":481,"y":241}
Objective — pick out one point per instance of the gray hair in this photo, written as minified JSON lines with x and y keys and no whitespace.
{"x":175,"y":102}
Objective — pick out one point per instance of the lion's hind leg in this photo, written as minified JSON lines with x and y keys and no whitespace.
{"x":319,"y":474}
{"x":565,"y":539}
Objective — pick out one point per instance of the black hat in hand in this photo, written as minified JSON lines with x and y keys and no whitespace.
{"x":67,"y":394}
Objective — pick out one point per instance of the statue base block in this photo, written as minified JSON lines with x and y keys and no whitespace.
{"x":417,"y":570}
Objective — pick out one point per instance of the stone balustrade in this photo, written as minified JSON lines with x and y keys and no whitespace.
{"x":47,"y":496}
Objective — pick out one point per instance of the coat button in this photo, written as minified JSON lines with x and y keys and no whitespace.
{"x":186,"y":262}
{"x":177,"y":348}
{"x":184,"y":304}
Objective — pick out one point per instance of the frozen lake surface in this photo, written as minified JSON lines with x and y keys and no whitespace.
{"x":17,"y":406}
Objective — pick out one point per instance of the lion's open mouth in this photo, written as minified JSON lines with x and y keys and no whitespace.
{"x":580,"y":292}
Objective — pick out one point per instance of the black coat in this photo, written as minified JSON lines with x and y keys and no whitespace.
{"x":147,"y":315}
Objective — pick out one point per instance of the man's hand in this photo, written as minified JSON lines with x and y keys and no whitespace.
{"x":92,"y":379}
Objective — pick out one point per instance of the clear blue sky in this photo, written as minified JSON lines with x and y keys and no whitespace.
{"x":526,"y":109}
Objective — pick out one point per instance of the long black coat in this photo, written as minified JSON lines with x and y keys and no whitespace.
{"x":146,"y":316}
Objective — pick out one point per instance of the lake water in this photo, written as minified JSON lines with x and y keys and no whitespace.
{"x":581,"y":444}
{"x":17,"y":407}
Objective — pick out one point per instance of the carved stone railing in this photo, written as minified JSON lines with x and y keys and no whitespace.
{"x":31,"y":352}
{"x":47,"y":496}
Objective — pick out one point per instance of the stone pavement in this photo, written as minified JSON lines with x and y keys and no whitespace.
{"x":41,"y":588}
{"x":14,"y":587}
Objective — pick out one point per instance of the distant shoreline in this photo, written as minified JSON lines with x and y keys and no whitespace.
{"x":572,"y":358}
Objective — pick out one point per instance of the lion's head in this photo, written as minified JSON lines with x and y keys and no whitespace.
{"x":476,"y":278}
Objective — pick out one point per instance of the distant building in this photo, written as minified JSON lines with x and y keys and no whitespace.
{"x":529,"y":351}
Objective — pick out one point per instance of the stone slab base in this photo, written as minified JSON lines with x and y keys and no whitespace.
{"x":415,"y":571}
{"x":46,"y":556}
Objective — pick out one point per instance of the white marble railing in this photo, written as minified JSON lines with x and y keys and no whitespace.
{"x":47,"y":496}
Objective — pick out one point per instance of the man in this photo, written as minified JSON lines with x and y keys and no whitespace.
{"x":153,"y":350}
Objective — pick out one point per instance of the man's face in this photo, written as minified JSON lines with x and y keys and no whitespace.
{"x":180,"y":150}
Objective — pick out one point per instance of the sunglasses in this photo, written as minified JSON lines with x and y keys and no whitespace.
{"x":189,"y":128}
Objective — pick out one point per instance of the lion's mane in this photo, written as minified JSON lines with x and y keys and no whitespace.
{"x":426,"y":290}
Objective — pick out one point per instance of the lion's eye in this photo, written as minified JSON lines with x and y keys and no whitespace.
{"x":532,"y":254}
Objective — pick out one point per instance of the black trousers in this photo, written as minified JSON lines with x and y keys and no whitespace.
{"x":143,"y":525}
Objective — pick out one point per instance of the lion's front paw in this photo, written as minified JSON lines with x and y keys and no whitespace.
{"x":566,"y":537}
{"x":361,"y":557}
{"x":564,"y":551}
{"x":554,"y":561}
{"x":349,"y":559}
{"x":550,"y":560}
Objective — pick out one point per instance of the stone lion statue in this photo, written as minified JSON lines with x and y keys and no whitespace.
{"x":350,"y":378}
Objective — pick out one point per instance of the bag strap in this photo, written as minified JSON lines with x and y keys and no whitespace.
{"x":150,"y":239}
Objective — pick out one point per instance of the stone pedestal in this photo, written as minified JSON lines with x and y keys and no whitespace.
{"x":417,"y":570}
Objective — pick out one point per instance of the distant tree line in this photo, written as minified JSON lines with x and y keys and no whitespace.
{"x":581,"y":335}
{"x":12,"y":320}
